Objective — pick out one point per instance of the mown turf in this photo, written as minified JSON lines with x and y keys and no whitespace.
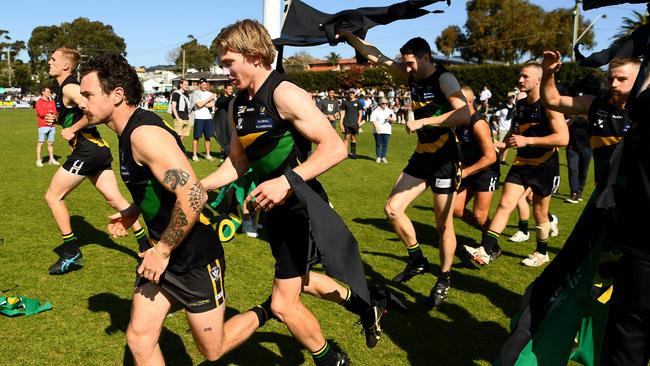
{"x":91,"y":306}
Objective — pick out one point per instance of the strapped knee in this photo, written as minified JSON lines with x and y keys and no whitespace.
{"x":543,"y":230}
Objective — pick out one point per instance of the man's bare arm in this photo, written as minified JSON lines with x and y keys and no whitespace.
{"x":460,"y":113}
{"x":551,"y":97}
{"x":372,"y":53}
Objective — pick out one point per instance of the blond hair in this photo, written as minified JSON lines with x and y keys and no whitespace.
{"x":72,"y":55}
{"x":249,"y":38}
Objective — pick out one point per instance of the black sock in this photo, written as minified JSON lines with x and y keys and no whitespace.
{"x":263,"y":312}
{"x":354,"y":304}
{"x":70,"y":245}
{"x":541,"y":246}
{"x":141,"y":239}
{"x":523,"y":226}
{"x":324,"y":356}
{"x":490,"y":241}
{"x":353,"y":148}
{"x":415,"y":252}
{"x":445,"y":278}
{"x":550,"y":216}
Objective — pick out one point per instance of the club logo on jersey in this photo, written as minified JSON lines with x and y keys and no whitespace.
{"x":262,"y":110}
{"x":241,"y":109}
{"x":215,"y":273}
{"x":240,"y":122}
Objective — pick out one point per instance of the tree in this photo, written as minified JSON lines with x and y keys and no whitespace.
{"x":450,"y":38}
{"x":197,"y":56}
{"x":509,"y":30}
{"x":333,"y":58}
{"x":91,"y":38}
{"x":8,"y":64}
{"x":630,"y":24}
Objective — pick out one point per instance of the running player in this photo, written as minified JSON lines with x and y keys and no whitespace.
{"x":536,"y":133}
{"x":438,"y":105}
{"x":480,"y":168}
{"x":90,"y":158}
{"x":184,"y":261}
{"x":275,"y":122}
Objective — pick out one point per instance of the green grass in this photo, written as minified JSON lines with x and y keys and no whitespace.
{"x":91,"y":306}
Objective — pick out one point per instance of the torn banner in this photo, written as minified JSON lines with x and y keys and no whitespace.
{"x":305,"y":26}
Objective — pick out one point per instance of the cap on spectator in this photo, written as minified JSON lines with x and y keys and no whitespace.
{"x":202,"y":80}
{"x":512,"y":94}
{"x":351,"y":90}
{"x":322,"y":94}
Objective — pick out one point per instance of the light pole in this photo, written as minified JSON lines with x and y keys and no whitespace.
{"x":577,"y":39}
{"x":576,"y":23}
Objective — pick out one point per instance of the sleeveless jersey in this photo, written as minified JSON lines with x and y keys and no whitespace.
{"x":270,"y":143}
{"x":201,"y":245}
{"x":606,"y":128}
{"x":86,"y":138}
{"x":468,"y":144}
{"x":428,"y":100}
{"x":530,"y":120}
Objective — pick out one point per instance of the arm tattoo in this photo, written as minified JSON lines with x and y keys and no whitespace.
{"x":197,"y":196}
{"x":175,"y":232}
{"x":176,"y":178}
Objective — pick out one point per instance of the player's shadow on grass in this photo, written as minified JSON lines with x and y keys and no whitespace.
{"x":88,"y":234}
{"x":506,"y":300}
{"x":426,"y":232}
{"x":446,"y":337}
{"x":119,"y":311}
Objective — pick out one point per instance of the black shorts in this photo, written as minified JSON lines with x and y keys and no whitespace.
{"x":484,"y":181}
{"x":88,"y":159}
{"x":544,"y":180}
{"x":352,"y":130}
{"x":199,"y":290}
{"x":289,"y":236}
{"x":442,"y":176}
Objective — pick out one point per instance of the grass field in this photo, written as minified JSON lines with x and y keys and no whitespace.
{"x":91,"y":306}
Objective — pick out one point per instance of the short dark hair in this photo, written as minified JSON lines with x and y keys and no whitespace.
{"x":114,"y":71}
{"x":416,"y":46}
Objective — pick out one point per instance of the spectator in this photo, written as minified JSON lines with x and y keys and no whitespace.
{"x":381,"y":119}
{"x":46,"y":115}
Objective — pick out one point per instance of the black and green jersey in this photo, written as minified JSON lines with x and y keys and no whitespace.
{"x":270,"y":143}
{"x":607,"y":124}
{"x":530,"y":120}
{"x":201,"y":245}
{"x":87,"y":138}
{"x":428,"y":100}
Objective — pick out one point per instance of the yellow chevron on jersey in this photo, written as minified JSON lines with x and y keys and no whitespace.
{"x":600,"y":141}
{"x":417,"y":104}
{"x":524,"y":127}
{"x":250,"y":138}
{"x":97,"y":141}
{"x":534,"y":161}
{"x":431,"y":147}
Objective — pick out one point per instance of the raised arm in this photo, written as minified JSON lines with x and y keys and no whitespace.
{"x":154,"y":147}
{"x":551,"y":96}
{"x":373,"y":55}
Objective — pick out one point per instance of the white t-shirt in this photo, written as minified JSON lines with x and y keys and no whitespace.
{"x":485,"y":95}
{"x":202,"y":113}
{"x":379,"y":117}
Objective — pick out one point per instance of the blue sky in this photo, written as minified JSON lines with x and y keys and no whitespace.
{"x":152,"y":28}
